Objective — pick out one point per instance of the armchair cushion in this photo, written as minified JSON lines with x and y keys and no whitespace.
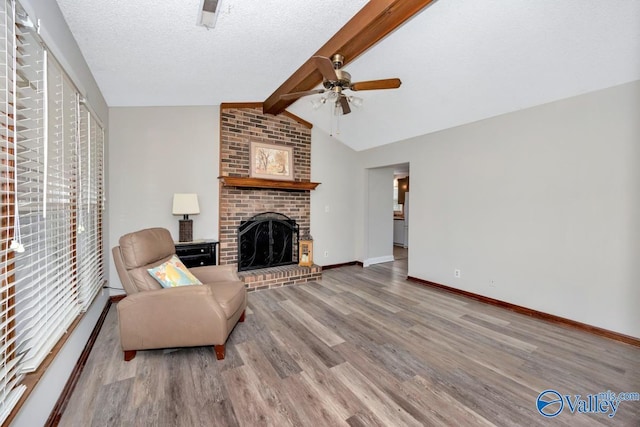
{"x":146,"y":247}
{"x":173,"y":273}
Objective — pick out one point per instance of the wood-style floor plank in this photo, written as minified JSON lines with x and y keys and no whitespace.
{"x":312,"y":407}
{"x":361,"y":347}
{"x":315,"y":327}
{"x":374,"y":399}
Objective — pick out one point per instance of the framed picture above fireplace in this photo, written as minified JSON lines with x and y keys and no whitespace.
{"x":271,"y":161}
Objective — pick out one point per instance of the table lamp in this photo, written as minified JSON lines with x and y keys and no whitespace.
{"x":185,"y":204}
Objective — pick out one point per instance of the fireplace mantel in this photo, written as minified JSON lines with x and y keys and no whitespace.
{"x":237,"y":181}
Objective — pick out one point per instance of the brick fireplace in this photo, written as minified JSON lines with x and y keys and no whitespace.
{"x":240,"y":124}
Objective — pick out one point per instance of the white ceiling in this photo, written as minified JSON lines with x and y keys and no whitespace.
{"x":459,"y":60}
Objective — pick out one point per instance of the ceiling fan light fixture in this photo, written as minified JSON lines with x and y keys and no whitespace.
{"x":333,"y":96}
{"x":356,"y":101}
{"x":319,"y":102}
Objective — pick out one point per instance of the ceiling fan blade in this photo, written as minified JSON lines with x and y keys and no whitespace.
{"x":295,"y":95}
{"x":325,"y":66}
{"x":344,"y":103}
{"x":376,"y":84}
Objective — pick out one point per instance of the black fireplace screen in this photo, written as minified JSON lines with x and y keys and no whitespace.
{"x":268,"y":239}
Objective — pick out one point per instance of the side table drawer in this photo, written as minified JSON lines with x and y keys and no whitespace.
{"x":197,"y":260}
{"x":193,"y":250}
{"x":197,"y":254}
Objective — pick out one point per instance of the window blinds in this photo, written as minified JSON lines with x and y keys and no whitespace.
{"x":46,"y":295}
{"x":91,"y":140}
{"x":51,"y":185}
{"x":10,"y":388}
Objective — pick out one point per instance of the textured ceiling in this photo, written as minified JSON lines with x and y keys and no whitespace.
{"x":459,"y":60}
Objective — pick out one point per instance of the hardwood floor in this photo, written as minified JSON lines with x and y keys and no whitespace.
{"x":400,"y":253}
{"x":363,"y":347}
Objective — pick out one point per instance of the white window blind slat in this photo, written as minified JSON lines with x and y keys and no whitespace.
{"x":10,"y":399}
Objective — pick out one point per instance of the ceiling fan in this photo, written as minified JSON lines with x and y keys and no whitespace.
{"x":336,"y":80}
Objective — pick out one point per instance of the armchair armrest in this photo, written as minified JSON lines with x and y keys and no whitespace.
{"x":215,"y":273}
{"x":173,"y":317}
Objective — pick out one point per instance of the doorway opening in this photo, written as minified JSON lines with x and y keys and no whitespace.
{"x":387,"y":214}
{"x":401,"y":201}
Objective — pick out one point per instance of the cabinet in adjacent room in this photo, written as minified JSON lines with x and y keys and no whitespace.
{"x":398,"y":232}
{"x":403,"y":187}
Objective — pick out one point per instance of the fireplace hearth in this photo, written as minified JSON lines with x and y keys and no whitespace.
{"x":269,"y":239}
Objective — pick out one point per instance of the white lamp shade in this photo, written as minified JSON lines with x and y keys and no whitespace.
{"x":185,"y":204}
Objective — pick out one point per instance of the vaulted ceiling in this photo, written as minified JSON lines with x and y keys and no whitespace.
{"x":459,"y":60}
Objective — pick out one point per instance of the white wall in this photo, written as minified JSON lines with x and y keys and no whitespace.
{"x":59,"y":40}
{"x":154,"y":153}
{"x":334,"y":165}
{"x":540,"y":208}
{"x":378,"y":218}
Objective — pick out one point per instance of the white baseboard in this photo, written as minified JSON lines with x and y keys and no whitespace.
{"x":378,"y":260}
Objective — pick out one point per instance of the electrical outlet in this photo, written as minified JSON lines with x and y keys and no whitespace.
{"x":493,"y":284}
{"x":327,"y":209}
{"x":326,"y":254}
{"x":456,"y":273}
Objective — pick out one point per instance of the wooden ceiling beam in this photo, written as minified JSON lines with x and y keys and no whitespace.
{"x":371,"y":24}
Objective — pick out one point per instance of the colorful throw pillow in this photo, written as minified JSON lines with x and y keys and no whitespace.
{"x":173,"y":273}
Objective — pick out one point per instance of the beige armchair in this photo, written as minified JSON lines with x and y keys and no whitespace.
{"x":151,"y":316}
